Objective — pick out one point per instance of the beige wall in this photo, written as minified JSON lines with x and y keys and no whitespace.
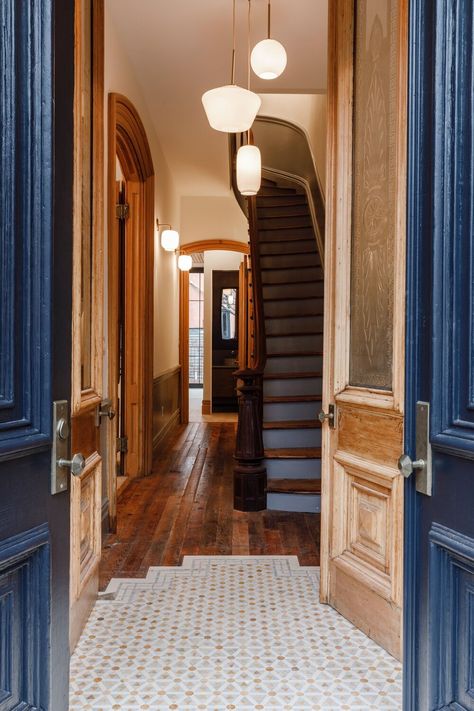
{"x":120,"y":78}
{"x":212,"y":218}
{"x":309,"y":111}
{"x":220,"y":261}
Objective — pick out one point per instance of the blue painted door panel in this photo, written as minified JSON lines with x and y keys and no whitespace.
{"x":439,"y":536}
{"x":36,"y":148}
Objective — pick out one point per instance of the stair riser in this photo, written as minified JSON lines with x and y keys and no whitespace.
{"x":292,"y":387}
{"x":301,"y":364}
{"x":301,"y":290}
{"x":286,"y":325}
{"x":277,"y":223}
{"x":272,"y":191}
{"x":291,"y":438}
{"x":267,"y":248}
{"x":303,"y":503}
{"x":293,"y":469}
{"x":292,"y":275}
{"x":285,"y":235}
{"x":272,"y":412}
{"x":265,"y":211}
{"x":289,"y":344}
{"x":280,"y":201}
{"x":312,"y":307}
{"x":290,"y":260}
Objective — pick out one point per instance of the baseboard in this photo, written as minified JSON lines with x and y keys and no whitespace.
{"x":206,"y":407}
{"x":172,"y":422}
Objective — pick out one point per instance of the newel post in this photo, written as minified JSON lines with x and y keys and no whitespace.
{"x":250,"y":474}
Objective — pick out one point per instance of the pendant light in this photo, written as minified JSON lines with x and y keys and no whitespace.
{"x":268,"y":57}
{"x":231,"y":108}
{"x":249,"y":160}
{"x":169,"y":237}
{"x":185,"y":262}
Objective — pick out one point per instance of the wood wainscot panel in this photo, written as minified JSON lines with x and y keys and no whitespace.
{"x":166,"y":404}
{"x":369,"y":433}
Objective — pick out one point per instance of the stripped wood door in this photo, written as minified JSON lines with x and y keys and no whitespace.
{"x":362,"y":490}
{"x":87,"y":347}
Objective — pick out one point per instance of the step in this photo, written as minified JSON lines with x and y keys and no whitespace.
{"x":294,"y":486}
{"x":299,"y":385}
{"x":279,"y":308}
{"x":302,"y":246}
{"x":264,"y":211}
{"x":285,"y":223}
{"x":267,"y":190}
{"x":291,"y":375}
{"x":300,"y":364}
{"x":294,"y":342}
{"x":285,"y":325}
{"x":295,"y":235}
{"x":294,"y":453}
{"x":289,"y":261}
{"x":292,"y":438}
{"x":298,"y":290}
{"x":292,"y":276}
{"x":300,"y":468}
{"x":264,"y":201}
{"x":297,"y":354}
{"x":292,"y":425}
{"x":294,"y":503}
{"x":276,"y":399}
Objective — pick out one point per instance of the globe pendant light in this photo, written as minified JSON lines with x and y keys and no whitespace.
{"x":249,"y":170}
{"x":185,"y":262}
{"x":268,"y":58}
{"x":169,"y":237}
{"x":231,"y":108}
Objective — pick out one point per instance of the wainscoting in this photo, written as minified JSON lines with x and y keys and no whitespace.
{"x":166,"y":399}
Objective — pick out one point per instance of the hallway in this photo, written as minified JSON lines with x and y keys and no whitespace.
{"x":186,"y":508}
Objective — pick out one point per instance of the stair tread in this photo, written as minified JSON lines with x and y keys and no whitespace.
{"x":290,"y":254}
{"x":272,"y":399}
{"x":287,"y":266}
{"x":283,"y":227}
{"x":296,"y":333}
{"x":289,"y":376}
{"x":294,"y":486}
{"x":293,"y":283}
{"x":292,"y":298}
{"x":295,"y":354}
{"x":292,"y":425}
{"x":294,"y":315}
{"x":294,"y":453}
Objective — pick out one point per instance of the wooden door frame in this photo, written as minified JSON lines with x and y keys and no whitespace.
{"x":225,"y":245}
{"x":128,"y":141}
{"x":338,"y":254}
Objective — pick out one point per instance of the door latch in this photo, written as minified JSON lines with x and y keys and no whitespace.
{"x":330,"y":416}
{"x":60,"y":448}
{"x":422,"y":463}
{"x":104,"y":410}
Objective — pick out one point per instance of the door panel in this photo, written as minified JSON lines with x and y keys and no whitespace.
{"x":439,"y":543}
{"x":362,"y":503}
{"x":36,"y":158}
{"x":87,"y":347}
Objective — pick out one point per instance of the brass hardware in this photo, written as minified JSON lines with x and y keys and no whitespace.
{"x":122,"y":445}
{"x":122,"y":211}
{"x":330,"y":416}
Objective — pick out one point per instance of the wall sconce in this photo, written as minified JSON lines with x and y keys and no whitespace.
{"x":169,"y":237}
{"x":185,"y":262}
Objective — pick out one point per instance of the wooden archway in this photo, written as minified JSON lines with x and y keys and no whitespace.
{"x":226,"y":245}
{"x":127,"y":141}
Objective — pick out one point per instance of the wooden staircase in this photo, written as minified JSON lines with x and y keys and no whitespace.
{"x":292,"y":286}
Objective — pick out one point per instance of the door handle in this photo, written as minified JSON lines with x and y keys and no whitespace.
{"x":407,"y":466}
{"x":104,"y":410}
{"x":330,"y":416}
{"x":77,"y":464}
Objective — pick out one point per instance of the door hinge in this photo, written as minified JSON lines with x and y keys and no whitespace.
{"x":122,"y":445}
{"x":122,"y":211}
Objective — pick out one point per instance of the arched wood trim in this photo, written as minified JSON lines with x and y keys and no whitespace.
{"x":127,"y":139}
{"x":227,"y":245}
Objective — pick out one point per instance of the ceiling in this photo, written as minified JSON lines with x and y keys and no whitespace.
{"x":180,"y":48}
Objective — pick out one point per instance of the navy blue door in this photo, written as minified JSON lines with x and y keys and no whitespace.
{"x":439,"y":541}
{"x":36,"y":85}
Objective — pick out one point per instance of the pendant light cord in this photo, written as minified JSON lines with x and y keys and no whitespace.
{"x":232,"y":73}
{"x":269,"y":18}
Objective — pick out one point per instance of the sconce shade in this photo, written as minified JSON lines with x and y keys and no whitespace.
{"x":268,"y":59}
{"x":185,"y":262}
{"x":249,"y":170}
{"x":170,"y":240}
{"x":230,"y":108}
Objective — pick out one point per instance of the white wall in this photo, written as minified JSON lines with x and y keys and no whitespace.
{"x":309,"y":111}
{"x":120,"y":78}
{"x":212,"y":218}
{"x":213,"y":261}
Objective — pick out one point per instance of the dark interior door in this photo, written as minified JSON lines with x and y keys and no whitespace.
{"x":439,"y":541}
{"x":36,"y":66}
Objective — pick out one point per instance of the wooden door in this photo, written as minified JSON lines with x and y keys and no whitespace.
{"x":362,"y":491}
{"x":36,"y":160}
{"x":439,"y":545}
{"x":87,"y":310}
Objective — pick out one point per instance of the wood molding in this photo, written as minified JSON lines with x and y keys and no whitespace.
{"x":166,"y":374}
{"x":160,"y":436}
{"x":206,"y":407}
{"x":227,"y":245}
{"x":128,"y":141}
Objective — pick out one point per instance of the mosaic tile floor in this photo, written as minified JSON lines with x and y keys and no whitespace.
{"x":227,"y":632}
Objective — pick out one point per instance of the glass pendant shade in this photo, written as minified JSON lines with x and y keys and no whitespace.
{"x":185,"y":262}
{"x":268,"y":59}
{"x":170,"y":240}
{"x":230,"y":108}
{"x":249,"y":170}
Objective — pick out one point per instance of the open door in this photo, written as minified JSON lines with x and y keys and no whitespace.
{"x":439,"y":544}
{"x":87,"y":355}
{"x":362,"y":490}
{"x":36,"y":159}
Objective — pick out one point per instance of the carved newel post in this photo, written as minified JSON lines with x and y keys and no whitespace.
{"x":250,"y":475}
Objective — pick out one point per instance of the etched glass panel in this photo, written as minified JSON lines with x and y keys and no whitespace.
{"x":373,"y":192}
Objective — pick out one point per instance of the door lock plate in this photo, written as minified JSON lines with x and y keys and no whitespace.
{"x":424,"y":475}
{"x":60,"y":448}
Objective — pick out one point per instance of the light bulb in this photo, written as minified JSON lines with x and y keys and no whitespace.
{"x":268,"y":59}
{"x":170,"y":240}
{"x":185,"y":262}
{"x":249,"y":170}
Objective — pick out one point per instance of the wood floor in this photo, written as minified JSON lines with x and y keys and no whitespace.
{"x":185,"y":508}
